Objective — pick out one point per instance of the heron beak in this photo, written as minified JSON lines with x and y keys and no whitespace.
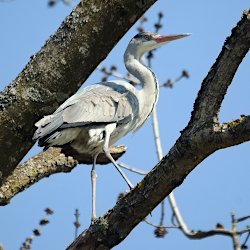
{"x":169,"y":38}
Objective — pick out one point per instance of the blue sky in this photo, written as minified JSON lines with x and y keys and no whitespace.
{"x":215,"y":188}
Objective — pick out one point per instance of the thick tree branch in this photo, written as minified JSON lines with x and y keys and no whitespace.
{"x":193,"y":146}
{"x":58,"y":69}
{"x":44,"y":164}
{"x":214,"y":86}
{"x":40,"y":166}
{"x":233,"y":133}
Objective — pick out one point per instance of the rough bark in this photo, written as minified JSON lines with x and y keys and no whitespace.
{"x":68,"y":57}
{"x":203,"y":136}
{"x":44,"y":164}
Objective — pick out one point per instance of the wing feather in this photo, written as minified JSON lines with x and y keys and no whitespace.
{"x":100,"y":107}
{"x":100,"y":103}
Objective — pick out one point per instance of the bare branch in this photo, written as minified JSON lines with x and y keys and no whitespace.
{"x":135,"y":170}
{"x":247,"y":230}
{"x":76,"y":223}
{"x":58,"y":69}
{"x":221,"y":74}
{"x":243,"y":218}
{"x":243,"y":246}
{"x":232,"y":133}
{"x":192,"y":147}
{"x":129,"y":78}
{"x":171,"y":198}
{"x":177,"y":215}
{"x":115,"y":151}
{"x":37,"y":231}
{"x":235,"y":238}
{"x":40,"y":166}
{"x":157,"y":138}
{"x":155,"y":225}
{"x":44,"y":164}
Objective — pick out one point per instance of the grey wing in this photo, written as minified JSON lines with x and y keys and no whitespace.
{"x":106,"y":107}
{"x":100,"y":103}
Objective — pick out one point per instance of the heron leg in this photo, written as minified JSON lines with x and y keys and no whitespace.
{"x":109,"y":129}
{"x":93,"y":183}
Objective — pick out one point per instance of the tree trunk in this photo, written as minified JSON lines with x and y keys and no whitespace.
{"x":65,"y":61}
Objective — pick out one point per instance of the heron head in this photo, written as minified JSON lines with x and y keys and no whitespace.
{"x":146,"y":41}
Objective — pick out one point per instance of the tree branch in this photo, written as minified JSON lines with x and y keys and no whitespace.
{"x":221,"y":74}
{"x":197,"y":235}
{"x":233,"y":133}
{"x":44,"y":164}
{"x":243,"y":218}
{"x":58,"y":69}
{"x":193,"y":146}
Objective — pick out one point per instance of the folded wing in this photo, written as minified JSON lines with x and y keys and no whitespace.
{"x":97,"y":104}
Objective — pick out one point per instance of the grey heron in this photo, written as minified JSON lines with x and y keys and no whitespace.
{"x":97,"y":116}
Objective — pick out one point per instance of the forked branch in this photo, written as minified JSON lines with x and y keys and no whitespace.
{"x":193,"y":146}
{"x":44,"y":164}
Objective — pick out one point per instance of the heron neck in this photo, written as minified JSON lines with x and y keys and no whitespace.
{"x":148,"y":94}
{"x":144,"y":74}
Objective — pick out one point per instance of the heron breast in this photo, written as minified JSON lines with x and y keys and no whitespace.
{"x":89,"y":140}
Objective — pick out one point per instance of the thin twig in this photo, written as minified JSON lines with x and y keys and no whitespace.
{"x":118,"y":75}
{"x":162,"y":212}
{"x":77,"y":223}
{"x":235,"y":238}
{"x":247,"y":230}
{"x":245,"y":241}
{"x":157,"y":135}
{"x":135,"y":170}
{"x":130,"y":78}
{"x":243,"y":218}
{"x":177,"y":214}
{"x":37,"y":231}
{"x":169,"y":83}
{"x":154,"y":225}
